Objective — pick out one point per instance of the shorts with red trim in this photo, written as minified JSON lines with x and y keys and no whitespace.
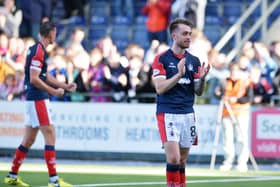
{"x":37,"y":113}
{"x":178,"y":128}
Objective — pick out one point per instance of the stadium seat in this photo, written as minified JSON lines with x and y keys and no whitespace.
{"x":121,"y":20}
{"x":140,"y":37}
{"x":213,"y":33}
{"x":97,"y":32}
{"x":232,"y":9}
{"x":210,"y":20}
{"x":120,"y":32}
{"x":212,"y":10}
{"x":140,"y":20}
{"x":99,"y":20}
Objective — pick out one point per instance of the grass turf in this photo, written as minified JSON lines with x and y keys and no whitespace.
{"x":129,"y":176}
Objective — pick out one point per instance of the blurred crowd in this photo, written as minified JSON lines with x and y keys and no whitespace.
{"x":104,"y":74}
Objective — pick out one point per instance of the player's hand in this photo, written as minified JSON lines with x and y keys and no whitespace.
{"x":71,"y":87}
{"x":59,"y":92}
{"x":182,"y":67}
{"x":203,"y":70}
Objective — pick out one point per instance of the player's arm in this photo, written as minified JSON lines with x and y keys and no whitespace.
{"x":37,"y":82}
{"x":199,"y":79}
{"x":162,"y":84}
{"x":52,"y":81}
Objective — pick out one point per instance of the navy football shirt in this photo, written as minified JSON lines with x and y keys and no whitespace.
{"x":36,"y":59}
{"x":180,"y":98}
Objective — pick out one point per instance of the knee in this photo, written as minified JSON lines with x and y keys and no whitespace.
{"x":183,"y":162}
{"x":173,"y":159}
{"x":28,"y":142}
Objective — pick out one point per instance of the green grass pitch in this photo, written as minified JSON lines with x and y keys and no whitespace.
{"x":91,"y":175}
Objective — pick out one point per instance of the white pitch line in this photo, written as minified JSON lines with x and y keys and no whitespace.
{"x":189,"y":182}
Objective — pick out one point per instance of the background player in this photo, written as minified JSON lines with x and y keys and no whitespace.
{"x":178,"y":76}
{"x":39,"y":84}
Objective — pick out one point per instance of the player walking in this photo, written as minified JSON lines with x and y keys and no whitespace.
{"x":39,"y":84}
{"x":178,"y":76}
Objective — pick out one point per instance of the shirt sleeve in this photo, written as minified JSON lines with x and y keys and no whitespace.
{"x":38,"y":59}
{"x":158,"y":69}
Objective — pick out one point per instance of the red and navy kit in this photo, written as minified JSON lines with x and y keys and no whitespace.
{"x":36,"y":59}
{"x":180,"y":98}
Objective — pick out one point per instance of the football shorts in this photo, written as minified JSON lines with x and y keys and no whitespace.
{"x":178,"y":128}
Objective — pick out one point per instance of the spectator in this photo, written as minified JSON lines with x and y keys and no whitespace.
{"x":96,"y":76}
{"x":200,"y":45}
{"x":158,"y":12}
{"x":116,"y":77}
{"x":237,"y":95}
{"x":193,"y":10}
{"x":217,"y":74}
{"x":4,"y":44}
{"x":58,"y":69}
{"x":262,"y":89}
{"x":13,"y":18}
{"x":275,"y":54}
{"x":151,"y":52}
{"x":78,"y":64}
{"x":5,"y":69}
{"x":15,"y":54}
{"x":8,"y":88}
{"x":71,"y":5}
{"x":34,"y":12}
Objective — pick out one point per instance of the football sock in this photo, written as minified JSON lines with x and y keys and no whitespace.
{"x":182,"y":177}
{"x":50,"y":158}
{"x":20,"y":155}
{"x":172,"y":175}
{"x":53,"y":178}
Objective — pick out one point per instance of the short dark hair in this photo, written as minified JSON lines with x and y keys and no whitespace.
{"x":46,"y":28}
{"x":174,"y":24}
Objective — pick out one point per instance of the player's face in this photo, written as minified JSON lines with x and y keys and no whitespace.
{"x":52,"y":36}
{"x":182,"y":36}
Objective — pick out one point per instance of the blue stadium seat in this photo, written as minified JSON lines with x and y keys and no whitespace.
{"x":121,"y":20}
{"x":213,"y":33}
{"x":120,"y":32}
{"x":212,"y":10}
{"x":140,"y":37}
{"x":138,"y":5}
{"x":140,"y":20}
{"x":99,"y":20}
{"x":232,"y":9}
{"x":212,"y":20}
{"x":99,"y":8}
{"x":97,"y":32}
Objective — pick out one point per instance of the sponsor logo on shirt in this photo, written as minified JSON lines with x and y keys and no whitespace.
{"x":184,"y":81}
{"x":171,"y":65}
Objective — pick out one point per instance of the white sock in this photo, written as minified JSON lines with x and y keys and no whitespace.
{"x":12,"y":176}
{"x":54,"y":178}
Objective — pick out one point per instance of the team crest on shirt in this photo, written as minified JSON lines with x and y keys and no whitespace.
{"x":190,"y":67}
{"x":156,"y":72}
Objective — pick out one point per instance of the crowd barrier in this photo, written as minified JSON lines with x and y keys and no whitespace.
{"x":131,"y":128}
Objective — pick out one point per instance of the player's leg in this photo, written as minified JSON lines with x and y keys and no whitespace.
{"x":30,"y":134}
{"x":48,"y":132}
{"x":20,"y":154}
{"x":170,"y":138}
{"x":228,"y":144}
{"x":172,"y":153}
{"x":188,"y":137}
{"x":184,"y":153}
